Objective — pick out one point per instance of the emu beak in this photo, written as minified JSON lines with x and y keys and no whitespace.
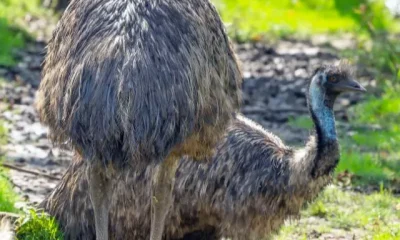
{"x":350,"y":86}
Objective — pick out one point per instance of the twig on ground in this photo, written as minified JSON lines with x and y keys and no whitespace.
{"x":11,"y":216}
{"x":11,"y":166}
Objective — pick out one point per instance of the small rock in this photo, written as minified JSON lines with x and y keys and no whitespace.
{"x":300,"y":73}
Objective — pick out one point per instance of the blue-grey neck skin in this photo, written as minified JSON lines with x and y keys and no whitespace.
{"x":321,"y":106}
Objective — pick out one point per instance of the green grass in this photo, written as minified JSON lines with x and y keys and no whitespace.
{"x":303,"y":17}
{"x":13,"y":24}
{"x":37,"y":226}
{"x":374,"y":216}
{"x":7,"y":194}
{"x":375,"y":153}
{"x":16,"y":10}
{"x":372,"y":155}
{"x":32,"y":226}
{"x":303,"y":122}
{"x":9,"y":40}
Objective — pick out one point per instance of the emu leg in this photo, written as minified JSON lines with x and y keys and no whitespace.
{"x":100,"y":192}
{"x":163,"y":183}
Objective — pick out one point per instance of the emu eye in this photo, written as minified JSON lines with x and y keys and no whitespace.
{"x":333,"y":79}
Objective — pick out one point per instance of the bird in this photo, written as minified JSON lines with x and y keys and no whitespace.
{"x":137,"y":85}
{"x":251,"y":185}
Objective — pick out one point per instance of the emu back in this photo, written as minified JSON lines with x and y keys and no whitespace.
{"x":139,"y":79}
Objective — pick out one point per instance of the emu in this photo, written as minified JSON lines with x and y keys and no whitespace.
{"x":252,"y":184}
{"x":138,"y":84}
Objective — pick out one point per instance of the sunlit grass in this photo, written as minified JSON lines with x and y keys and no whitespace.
{"x":371,"y":155}
{"x":7,"y":194}
{"x":37,"y":226}
{"x":375,"y":151}
{"x":13,"y":14}
{"x":32,"y":225}
{"x":286,"y":17}
{"x":376,"y":216}
{"x":9,"y":41}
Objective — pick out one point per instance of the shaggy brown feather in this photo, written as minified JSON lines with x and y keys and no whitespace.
{"x":136,"y":83}
{"x":253,"y":183}
{"x":131,"y":81}
{"x":251,"y":186}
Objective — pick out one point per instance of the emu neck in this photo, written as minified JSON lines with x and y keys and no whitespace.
{"x":321,"y":107}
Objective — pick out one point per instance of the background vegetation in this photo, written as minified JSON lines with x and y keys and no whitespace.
{"x":370,"y":157}
{"x":7,"y":195}
{"x":303,"y":17}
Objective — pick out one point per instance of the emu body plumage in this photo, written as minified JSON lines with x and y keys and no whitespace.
{"x":252,"y":184}
{"x":126,"y":82}
{"x":134,"y":84}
